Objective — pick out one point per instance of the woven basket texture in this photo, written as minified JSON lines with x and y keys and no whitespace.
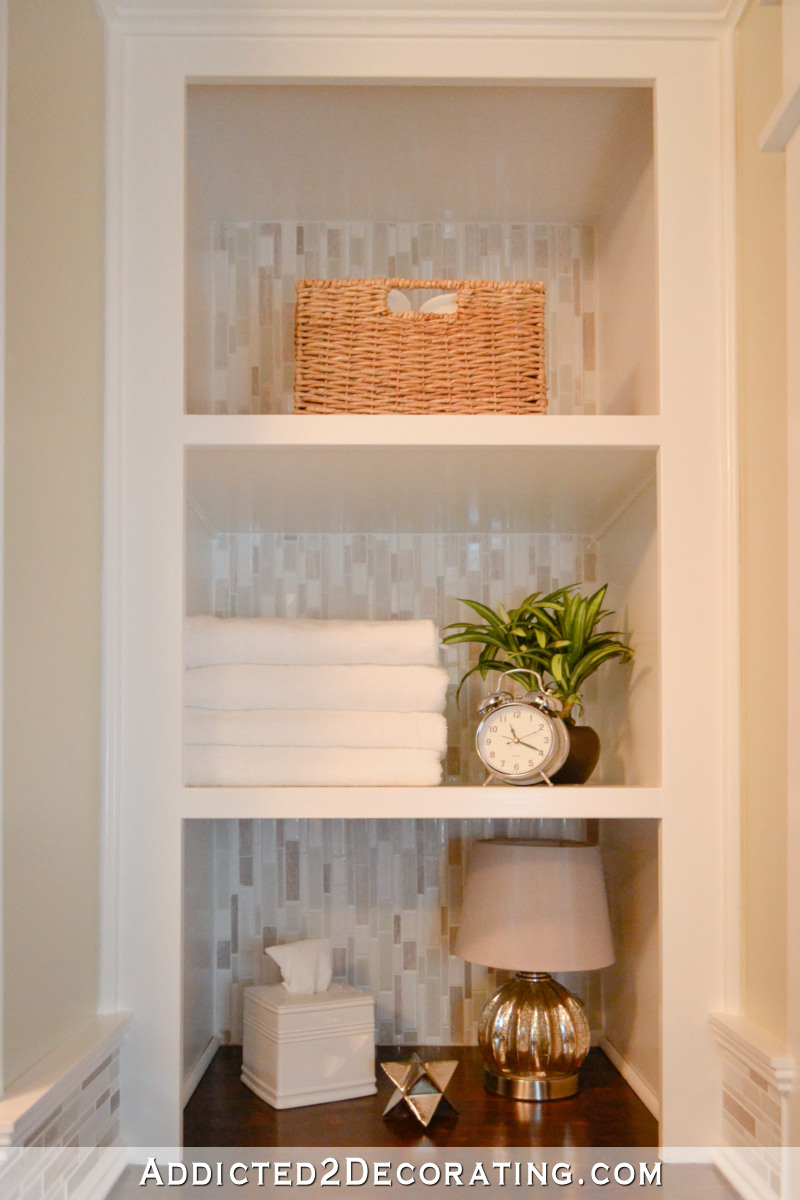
{"x":355,"y":355}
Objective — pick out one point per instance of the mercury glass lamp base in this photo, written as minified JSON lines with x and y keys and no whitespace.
{"x":554,"y":1088}
{"x":533,"y":1035}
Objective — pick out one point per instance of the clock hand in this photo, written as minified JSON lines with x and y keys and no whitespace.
{"x":520,"y":742}
{"x":528,"y":744}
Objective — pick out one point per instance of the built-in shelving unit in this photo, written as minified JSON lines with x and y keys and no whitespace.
{"x":501,"y":156}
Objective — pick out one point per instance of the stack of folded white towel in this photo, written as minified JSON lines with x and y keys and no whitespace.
{"x":276,"y":701}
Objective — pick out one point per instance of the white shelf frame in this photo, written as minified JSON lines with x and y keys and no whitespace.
{"x":147,"y":432}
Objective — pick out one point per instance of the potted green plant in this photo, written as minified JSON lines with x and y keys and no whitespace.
{"x":556,"y":635}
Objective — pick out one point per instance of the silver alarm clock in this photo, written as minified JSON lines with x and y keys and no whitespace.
{"x":521,"y":741}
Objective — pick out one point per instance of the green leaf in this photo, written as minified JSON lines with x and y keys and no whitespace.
{"x":593,"y":613}
{"x":484,"y":611}
{"x":557,"y":668}
{"x":454,"y":639}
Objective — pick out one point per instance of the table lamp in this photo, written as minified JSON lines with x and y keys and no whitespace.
{"x":534,"y":908}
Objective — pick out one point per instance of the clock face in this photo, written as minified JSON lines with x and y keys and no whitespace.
{"x":515,"y":740}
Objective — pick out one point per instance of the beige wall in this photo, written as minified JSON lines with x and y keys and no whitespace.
{"x":53,"y":523}
{"x":762,"y":365}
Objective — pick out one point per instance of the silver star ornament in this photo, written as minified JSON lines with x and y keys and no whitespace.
{"x":420,"y":1085}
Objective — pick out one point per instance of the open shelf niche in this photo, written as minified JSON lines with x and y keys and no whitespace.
{"x":449,"y":182}
{"x":382,"y":532}
{"x":388,"y":895}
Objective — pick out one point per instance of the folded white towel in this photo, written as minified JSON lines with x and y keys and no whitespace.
{"x":306,"y":967}
{"x":214,"y":641}
{"x":379,"y":688}
{"x":285,"y":766}
{"x":314,"y":727}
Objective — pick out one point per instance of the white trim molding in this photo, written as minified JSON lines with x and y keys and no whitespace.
{"x":631,"y":1076}
{"x":199,"y":1069}
{"x":3,"y":186}
{"x":756,"y":1079}
{"x":782,"y":124}
{"x":112,"y":541}
{"x":414,"y":18}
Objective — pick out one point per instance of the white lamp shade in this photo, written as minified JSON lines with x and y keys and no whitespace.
{"x":535,"y":907}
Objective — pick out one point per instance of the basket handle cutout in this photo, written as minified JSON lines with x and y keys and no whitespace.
{"x":421,"y":300}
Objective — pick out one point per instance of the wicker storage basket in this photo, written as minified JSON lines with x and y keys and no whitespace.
{"x":354,"y":355}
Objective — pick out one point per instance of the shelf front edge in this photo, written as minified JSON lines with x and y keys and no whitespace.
{"x":420,"y":802}
{"x":399,"y":430}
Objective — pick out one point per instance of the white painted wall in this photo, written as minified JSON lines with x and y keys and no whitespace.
{"x":632,"y":986}
{"x":626,"y":249}
{"x":199,"y":944}
{"x":628,"y":559}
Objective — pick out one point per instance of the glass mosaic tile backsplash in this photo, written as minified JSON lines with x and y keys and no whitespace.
{"x":385,"y":576}
{"x":254,"y":267}
{"x":388,"y":895}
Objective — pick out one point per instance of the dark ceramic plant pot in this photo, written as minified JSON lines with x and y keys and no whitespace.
{"x":584,"y":751}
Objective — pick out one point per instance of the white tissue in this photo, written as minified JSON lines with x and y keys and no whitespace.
{"x":306,"y":967}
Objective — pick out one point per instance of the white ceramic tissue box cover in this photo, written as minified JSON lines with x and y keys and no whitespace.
{"x":302,"y":1050}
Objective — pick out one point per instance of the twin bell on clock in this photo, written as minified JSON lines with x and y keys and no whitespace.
{"x":524,"y":740}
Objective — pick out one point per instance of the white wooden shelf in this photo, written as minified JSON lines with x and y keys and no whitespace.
{"x":438,"y":429}
{"x":420,"y":802}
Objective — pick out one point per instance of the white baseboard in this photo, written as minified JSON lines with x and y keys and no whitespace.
{"x":631,"y":1077}
{"x":103,"y":1175}
{"x":199,"y":1069}
{"x":730,"y":1162}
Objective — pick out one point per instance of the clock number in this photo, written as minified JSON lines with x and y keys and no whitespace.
{"x":546,"y":740}
{"x":530,"y":762}
{"x":517,"y":713}
{"x":488,"y":741}
{"x":491,"y":755}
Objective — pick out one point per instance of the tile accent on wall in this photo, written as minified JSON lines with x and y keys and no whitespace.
{"x":385,"y":576}
{"x":75,"y":1143}
{"x":388,"y":895}
{"x":756,"y":1077}
{"x":255,"y":265}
